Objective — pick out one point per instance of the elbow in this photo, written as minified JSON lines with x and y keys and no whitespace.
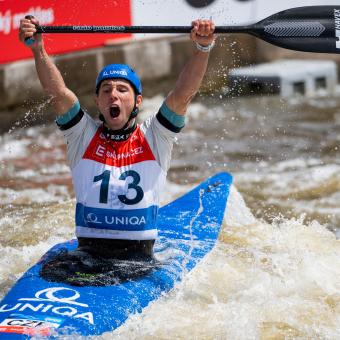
{"x":179,"y":103}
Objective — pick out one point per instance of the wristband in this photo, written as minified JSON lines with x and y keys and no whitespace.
{"x":205,"y":49}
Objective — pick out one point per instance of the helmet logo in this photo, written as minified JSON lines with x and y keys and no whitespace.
{"x":115,"y":72}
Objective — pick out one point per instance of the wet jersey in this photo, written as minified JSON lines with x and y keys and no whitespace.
{"x":118,"y":183}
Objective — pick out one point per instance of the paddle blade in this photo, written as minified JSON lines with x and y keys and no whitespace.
{"x":309,"y":29}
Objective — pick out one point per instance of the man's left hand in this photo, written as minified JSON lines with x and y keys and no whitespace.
{"x":203,"y":32}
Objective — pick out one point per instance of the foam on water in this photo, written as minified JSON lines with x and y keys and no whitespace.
{"x":15,"y":260}
{"x":27,"y":233}
{"x":262,"y":281}
{"x":297,"y":187}
{"x":269,"y":277}
{"x":52,"y":193}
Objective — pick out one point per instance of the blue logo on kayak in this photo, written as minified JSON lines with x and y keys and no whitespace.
{"x":58,"y":300}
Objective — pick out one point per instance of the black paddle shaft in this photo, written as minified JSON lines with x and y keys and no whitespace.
{"x":309,"y":29}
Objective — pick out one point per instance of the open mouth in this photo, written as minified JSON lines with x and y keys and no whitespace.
{"x":114,"y":111}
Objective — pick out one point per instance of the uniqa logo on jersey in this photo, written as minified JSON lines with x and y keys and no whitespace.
{"x":58,"y":300}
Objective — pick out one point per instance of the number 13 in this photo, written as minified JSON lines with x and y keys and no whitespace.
{"x":104,"y":187}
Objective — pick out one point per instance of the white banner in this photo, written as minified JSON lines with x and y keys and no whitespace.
{"x":265,"y":8}
{"x":223,"y":12}
{"x":183,"y":12}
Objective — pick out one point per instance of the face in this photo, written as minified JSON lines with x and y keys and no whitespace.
{"x":116,"y":100}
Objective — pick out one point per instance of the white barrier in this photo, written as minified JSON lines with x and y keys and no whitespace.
{"x":287,"y":77}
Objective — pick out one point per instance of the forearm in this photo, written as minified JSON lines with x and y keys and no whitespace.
{"x":190,"y":79}
{"x":189,"y":82}
{"x":49,"y":76}
{"x":52,"y":81}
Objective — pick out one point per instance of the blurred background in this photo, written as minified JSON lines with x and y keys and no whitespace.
{"x":275,"y":271}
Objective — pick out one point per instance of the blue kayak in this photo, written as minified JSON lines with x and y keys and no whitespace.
{"x":188,"y":230}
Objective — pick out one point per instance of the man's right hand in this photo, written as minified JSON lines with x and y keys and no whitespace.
{"x":27,"y":30}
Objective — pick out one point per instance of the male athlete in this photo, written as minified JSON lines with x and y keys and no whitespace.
{"x":118,"y":167}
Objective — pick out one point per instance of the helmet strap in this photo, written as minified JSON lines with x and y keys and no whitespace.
{"x":134,"y":111}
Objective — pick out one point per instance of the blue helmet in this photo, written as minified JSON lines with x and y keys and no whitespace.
{"x":120,"y":71}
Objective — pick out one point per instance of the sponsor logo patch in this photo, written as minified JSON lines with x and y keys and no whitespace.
{"x":58,"y":302}
{"x":30,"y":325}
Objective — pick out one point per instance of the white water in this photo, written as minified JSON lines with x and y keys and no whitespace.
{"x":262,"y":281}
{"x":275,"y":271}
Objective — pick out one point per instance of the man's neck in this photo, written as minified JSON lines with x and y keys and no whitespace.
{"x":121,"y":134}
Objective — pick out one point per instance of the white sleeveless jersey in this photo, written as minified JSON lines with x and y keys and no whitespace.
{"x":117,"y":183}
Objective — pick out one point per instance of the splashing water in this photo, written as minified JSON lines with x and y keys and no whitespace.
{"x":274,"y":273}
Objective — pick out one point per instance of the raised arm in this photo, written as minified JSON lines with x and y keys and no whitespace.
{"x":191,"y":77}
{"x":50,"y":78}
